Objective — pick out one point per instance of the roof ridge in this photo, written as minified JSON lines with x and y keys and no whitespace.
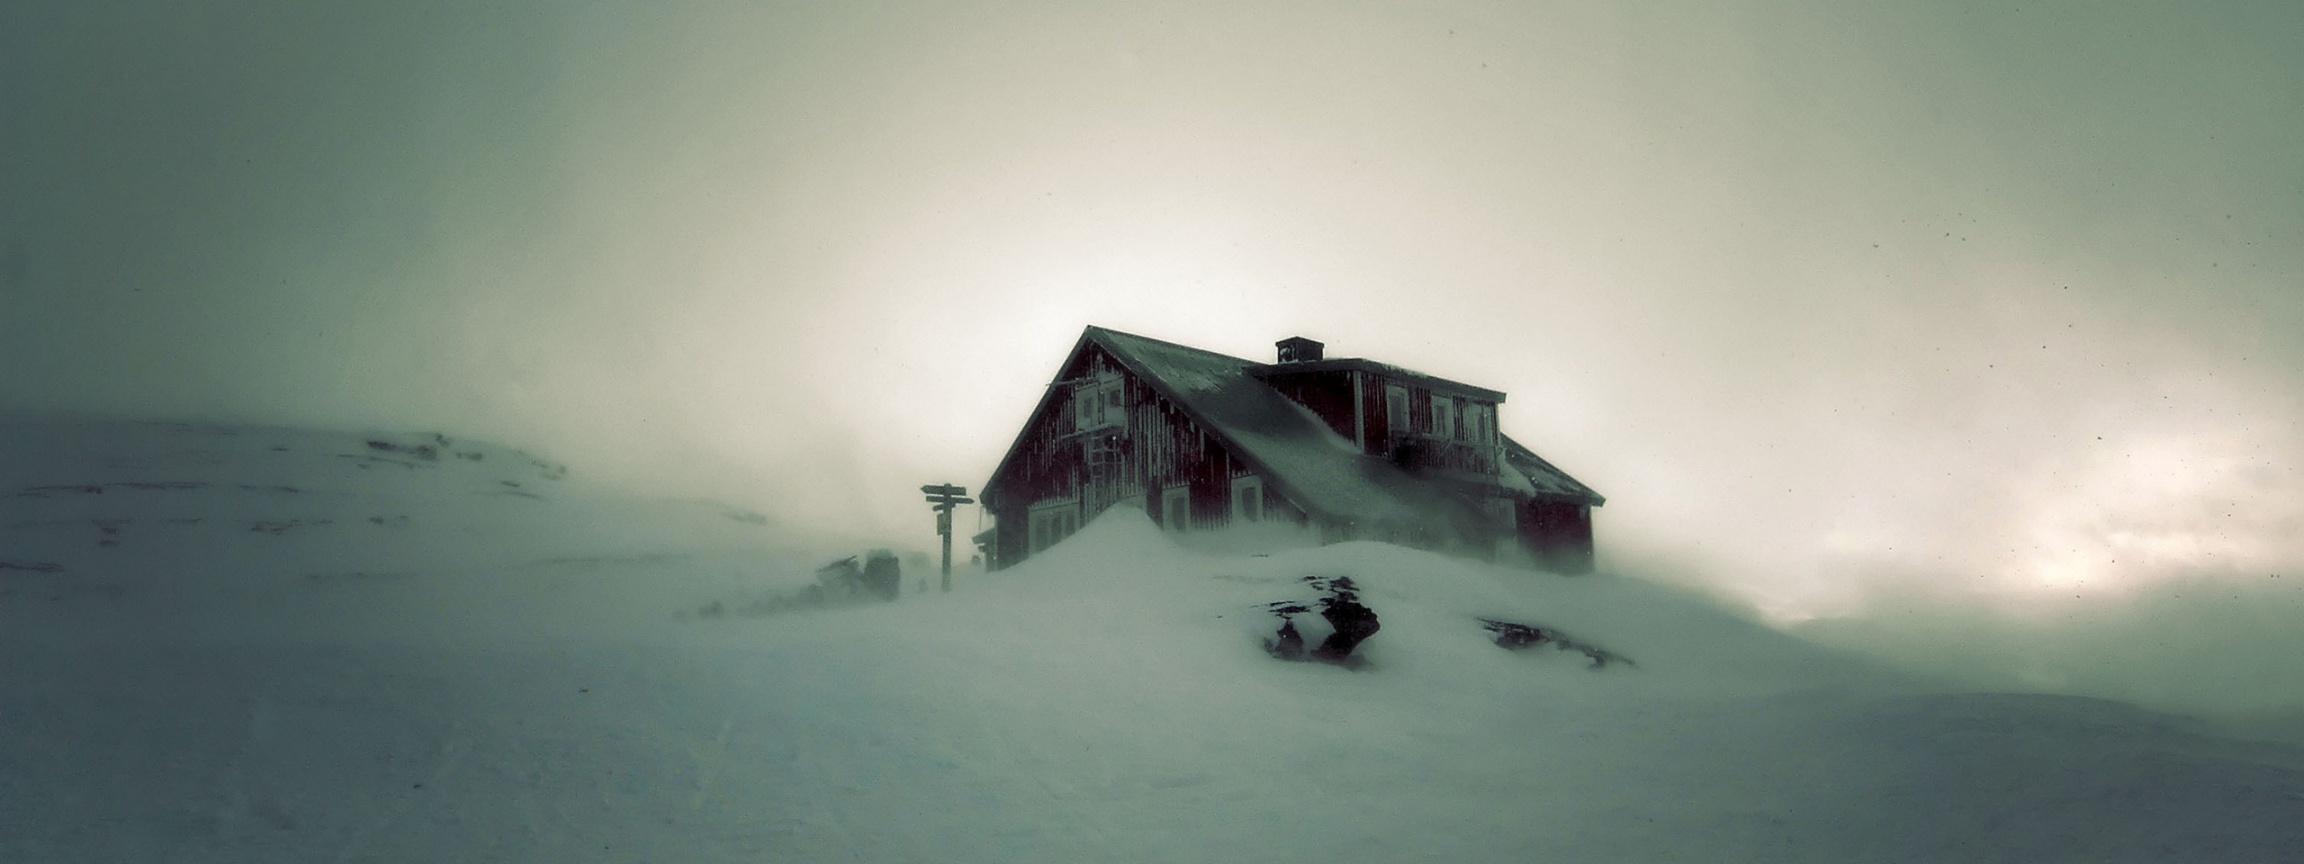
{"x":1094,"y":329}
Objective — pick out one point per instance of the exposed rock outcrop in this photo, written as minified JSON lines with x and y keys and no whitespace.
{"x":1342,"y":624}
{"x":1514,"y":636}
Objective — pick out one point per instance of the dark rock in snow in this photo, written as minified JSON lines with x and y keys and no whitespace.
{"x":878,"y":576}
{"x":1354,"y":621}
{"x":108,"y":531}
{"x":856,"y":579}
{"x":881,"y":577}
{"x":277,"y":529}
{"x":1343,"y":623}
{"x":52,"y":491}
{"x":1514,"y":637}
{"x":1287,"y":644}
{"x":1517,"y":637}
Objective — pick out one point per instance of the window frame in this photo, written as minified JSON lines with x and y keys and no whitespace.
{"x":1048,"y":523}
{"x":1176,"y":508}
{"x":1248,"y":489}
{"x":1100,"y":402}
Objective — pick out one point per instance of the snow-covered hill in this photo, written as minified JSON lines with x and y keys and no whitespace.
{"x":461,"y":655}
{"x":118,"y":530}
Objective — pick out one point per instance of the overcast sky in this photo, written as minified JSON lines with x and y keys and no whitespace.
{"x":1834,"y":303}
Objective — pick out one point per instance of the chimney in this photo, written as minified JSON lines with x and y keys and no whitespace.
{"x":1297,"y":349}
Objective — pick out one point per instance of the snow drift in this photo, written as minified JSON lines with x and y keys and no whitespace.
{"x":472,"y":658}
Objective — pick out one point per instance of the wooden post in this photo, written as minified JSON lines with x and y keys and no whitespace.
{"x":944,"y":527}
{"x":946,"y":497}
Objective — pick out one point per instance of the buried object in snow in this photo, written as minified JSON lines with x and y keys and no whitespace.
{"x":841,"y":583}
{"x":1517,"y":637}
{"x":879,"y":577}
{"x":1343,"y":623}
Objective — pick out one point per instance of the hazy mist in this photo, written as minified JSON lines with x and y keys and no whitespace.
{"x":1981,"y":323}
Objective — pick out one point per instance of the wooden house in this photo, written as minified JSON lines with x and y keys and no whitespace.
{"x":1349,"y":448}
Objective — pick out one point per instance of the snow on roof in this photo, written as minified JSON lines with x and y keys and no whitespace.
{"x":1305,"y":460}
{"x":1548,"y":481}
{"x":1298,"y":453}
{"x":1180,"y":367}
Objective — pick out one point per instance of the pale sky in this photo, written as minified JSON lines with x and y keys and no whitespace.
{"x":1837,"y":303}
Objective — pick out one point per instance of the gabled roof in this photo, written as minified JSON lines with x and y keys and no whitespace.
{"x":1292,"y":448}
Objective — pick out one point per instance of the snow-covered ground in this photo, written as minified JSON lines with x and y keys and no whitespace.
{"x":247,"y":644}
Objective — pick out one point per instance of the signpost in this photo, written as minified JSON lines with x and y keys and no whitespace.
{"x":946,"y":497}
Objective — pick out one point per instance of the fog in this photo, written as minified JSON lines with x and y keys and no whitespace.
{"x":1967,"y":334}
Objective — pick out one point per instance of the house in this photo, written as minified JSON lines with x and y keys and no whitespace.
{"x":1348,"y":448}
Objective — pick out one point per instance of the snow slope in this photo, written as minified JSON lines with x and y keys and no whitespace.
{"x":165,"y":530}
{"x":484,"y":675}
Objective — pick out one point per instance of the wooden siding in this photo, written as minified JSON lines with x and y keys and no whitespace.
{"x":1327,"y":393}
{"x":1375,"y":416}
{"x":1156,"y":448}
{"x":1417,"y":448}
{"x":1557,"y":534}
